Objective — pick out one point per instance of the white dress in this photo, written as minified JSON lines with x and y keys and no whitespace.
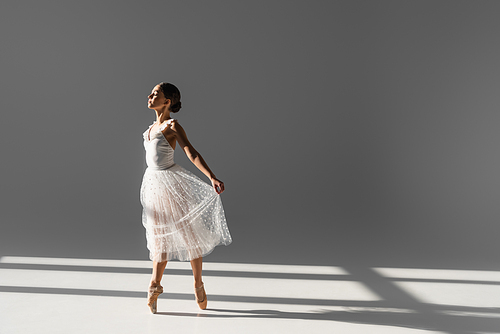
{"x":183,"y":216}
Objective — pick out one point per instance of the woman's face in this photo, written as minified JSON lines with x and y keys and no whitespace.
{"x":156,"y":99}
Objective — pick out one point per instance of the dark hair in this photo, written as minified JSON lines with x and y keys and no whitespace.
{"x":173,"y":94}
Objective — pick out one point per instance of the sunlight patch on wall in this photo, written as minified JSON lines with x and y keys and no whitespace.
{"x":440,"y":274}
{"x":238,"y":267}
{"x":315,"y":283}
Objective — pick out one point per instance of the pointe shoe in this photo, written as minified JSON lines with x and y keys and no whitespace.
{"x":202,"y":304}
{"x":153,"y":293}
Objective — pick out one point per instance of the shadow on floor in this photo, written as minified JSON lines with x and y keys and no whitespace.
{"x":396,"y":307}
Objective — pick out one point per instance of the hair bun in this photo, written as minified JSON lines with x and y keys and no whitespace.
{"x":173,"y":94}
{"x":176,"y":107}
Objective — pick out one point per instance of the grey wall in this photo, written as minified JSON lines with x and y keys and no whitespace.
{"x":345,"y":131}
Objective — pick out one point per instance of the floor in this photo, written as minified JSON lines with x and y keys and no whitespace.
{"x":57,"y":295}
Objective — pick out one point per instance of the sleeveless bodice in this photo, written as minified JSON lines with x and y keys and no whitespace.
{"x":159,"y":153}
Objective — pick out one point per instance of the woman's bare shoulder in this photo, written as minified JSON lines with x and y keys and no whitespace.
{"x":176,"y":126}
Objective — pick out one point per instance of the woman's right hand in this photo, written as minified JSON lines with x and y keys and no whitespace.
{"x":218,"y":185}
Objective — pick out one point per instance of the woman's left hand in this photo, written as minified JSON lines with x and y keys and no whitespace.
{"x":218,"y":185}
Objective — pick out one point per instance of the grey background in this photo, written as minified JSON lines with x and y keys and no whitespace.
{"x":345,"y":131}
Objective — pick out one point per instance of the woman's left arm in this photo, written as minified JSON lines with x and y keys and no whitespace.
{"x":195,"y":157}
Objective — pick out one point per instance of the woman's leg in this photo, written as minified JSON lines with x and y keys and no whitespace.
{"x":155,"y":288}
{"x":201,"y":297}
{"x":197,"y":265}
{"x":158,"y":269}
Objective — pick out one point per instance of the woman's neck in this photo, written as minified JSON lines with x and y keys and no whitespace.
{"x":162,"y":115}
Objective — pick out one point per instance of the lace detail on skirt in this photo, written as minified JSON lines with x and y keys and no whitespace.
{"x":183,"y":216}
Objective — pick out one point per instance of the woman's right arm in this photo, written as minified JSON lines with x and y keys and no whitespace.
{"x":196,"y":157}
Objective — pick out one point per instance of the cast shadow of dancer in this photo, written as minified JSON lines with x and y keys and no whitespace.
{"x":414,"y":320}
{"x":397,"y":308}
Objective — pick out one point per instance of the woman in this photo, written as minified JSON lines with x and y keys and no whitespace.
{"x":183,"y":215}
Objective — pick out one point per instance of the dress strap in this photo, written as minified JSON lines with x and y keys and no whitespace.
{"x":167,"y":123}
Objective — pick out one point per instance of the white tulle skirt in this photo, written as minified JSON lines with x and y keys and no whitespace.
{"x":183,"y":216}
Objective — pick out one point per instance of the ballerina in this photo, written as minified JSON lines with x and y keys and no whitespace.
{"x":183,"y":216}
